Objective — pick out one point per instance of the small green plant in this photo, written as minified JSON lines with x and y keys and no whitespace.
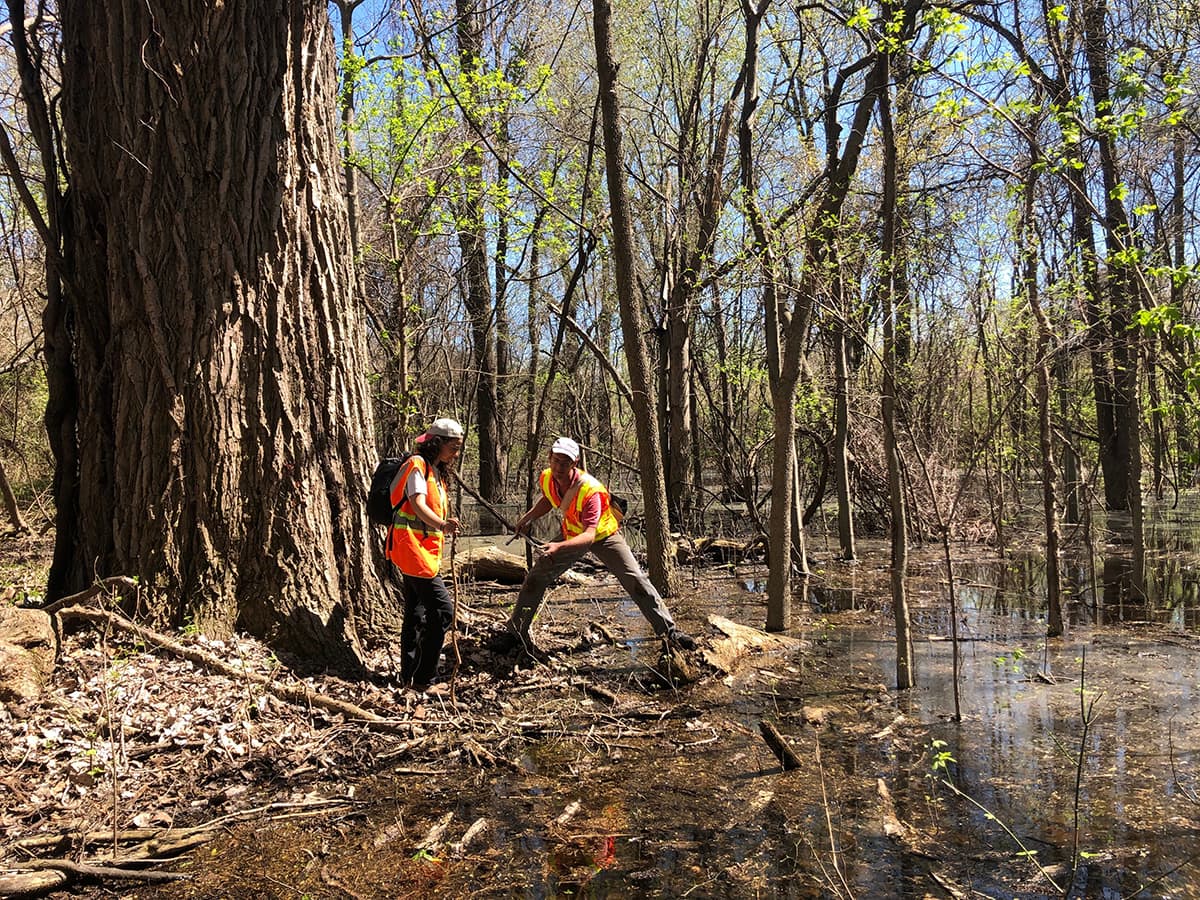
{"x":1011,"y":660}
{"x":939,"y":777}
{"x":941,"y":758}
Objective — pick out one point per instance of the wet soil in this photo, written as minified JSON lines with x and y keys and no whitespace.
{"x":587,"y":773}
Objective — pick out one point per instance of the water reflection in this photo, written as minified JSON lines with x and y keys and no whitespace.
{"x":1021,"y":745}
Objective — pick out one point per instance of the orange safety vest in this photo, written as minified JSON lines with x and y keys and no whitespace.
{"x":414,"y":546}
{"x":572,"y":523}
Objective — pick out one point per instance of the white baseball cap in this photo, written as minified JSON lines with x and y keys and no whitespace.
{"x":567,"y":448}
{"x":446,"y":428}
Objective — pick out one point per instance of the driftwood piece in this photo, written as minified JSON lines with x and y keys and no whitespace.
{"x":892,"y":826}
{"x":477,"y":829}
{"x":495,"y":564}
{"x":726,"y":653}
{"x":569,"y":813}
{"x":479,"y":754}
{"x":153,"y":843}
{"x":599,"y":630}
{"x":31,"y":884}
{"x":676,"y":667}
{"x":298,"y":695}
{"x":433,"y":838}
{"x":42,"y":875}
{"x":715,"y":549}
{"x":599,"y":693}
{"x":779,"y":746}
{"x":28,"y":647}
{"x":112,"y":871}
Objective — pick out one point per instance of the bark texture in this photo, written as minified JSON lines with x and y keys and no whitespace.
{"x":222,"y":410}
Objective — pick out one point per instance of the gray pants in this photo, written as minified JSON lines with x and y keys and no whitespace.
{"x":617,"y":558}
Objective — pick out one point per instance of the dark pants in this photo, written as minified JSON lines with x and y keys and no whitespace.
{"x":428,"y":614}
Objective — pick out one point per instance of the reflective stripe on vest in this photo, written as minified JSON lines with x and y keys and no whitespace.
{"x":572,"y":523}
{"x":415,"y":547}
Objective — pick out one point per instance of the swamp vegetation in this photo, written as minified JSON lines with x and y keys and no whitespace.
{"x":884,"y":316}
{"x":588,"y":773}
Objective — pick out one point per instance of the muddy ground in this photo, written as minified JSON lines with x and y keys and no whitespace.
{"x":590,"y":772}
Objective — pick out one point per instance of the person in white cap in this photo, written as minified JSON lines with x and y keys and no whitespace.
{"x":420,"y":520}
{"x":588,"y":525}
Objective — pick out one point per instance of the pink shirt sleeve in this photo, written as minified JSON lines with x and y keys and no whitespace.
{"x":590,"y":514}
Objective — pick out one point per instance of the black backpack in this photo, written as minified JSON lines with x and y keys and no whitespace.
{"x":379,"y":497}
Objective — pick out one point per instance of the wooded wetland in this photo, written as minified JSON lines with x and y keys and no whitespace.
{"x":882,"y":316}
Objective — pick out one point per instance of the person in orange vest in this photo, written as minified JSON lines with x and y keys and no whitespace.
{"x":588,"y":526}
{"x":419,"y":523}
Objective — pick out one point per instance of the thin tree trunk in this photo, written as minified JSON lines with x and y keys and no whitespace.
{"x":1158,"y":427}
{"x":677,"y":396}
{"x":654,"y":489}
{"x":899,"y":517}
{"x":67,"y":569}
{"x":10,"y":503}
{"x":1185,"y":443}
{"x":1070,"y":459}
{"x":472,"y":240}
{"x":346,"y":10}
{"x":841,"y":439}
{"x":400,"y":342}
{"x":1027,"y":238}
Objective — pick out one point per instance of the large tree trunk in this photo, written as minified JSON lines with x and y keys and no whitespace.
{"x":223,"y":419}
{"x":654,"y":489}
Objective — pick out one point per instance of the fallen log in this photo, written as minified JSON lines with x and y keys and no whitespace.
{"x":725,"y":653}
{"x":715,"y":550}
{"x":42,"y":875}
{"x":31,"y":883}
{"x":491,"y":564}
{"x":112,"y":871}
{"x":597,"y":692}
{"x":478,"y":827}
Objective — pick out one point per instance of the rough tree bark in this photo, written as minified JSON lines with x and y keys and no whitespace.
{"x":222,"y":414}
